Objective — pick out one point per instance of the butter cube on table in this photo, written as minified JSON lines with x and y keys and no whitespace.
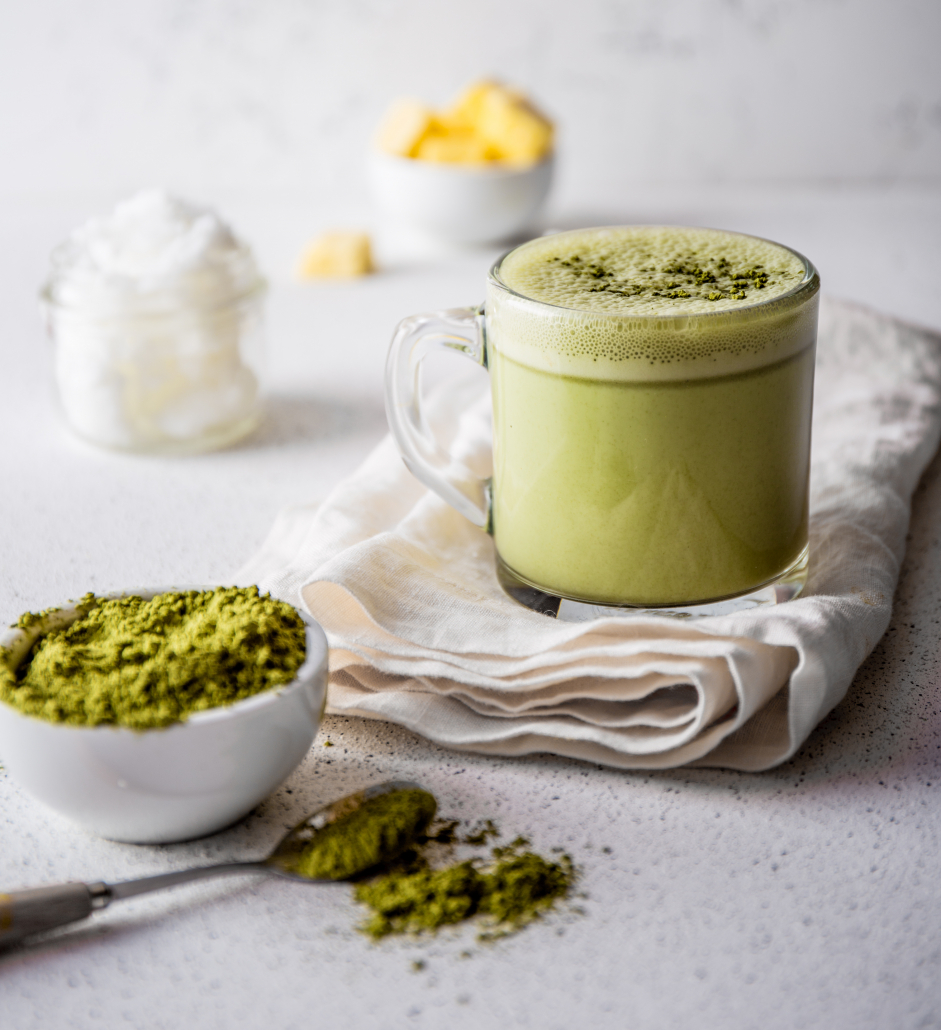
{"x":339,"y":254}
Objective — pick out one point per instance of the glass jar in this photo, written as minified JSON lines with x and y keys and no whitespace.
{"x":160,"y":365}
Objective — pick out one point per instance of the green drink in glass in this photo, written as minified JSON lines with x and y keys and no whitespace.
{"x":652,"y":391}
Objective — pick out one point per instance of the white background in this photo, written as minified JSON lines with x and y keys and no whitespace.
{"x":280,"y":98}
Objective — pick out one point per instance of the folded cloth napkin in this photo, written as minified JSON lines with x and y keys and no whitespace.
{"x":422,"y":635}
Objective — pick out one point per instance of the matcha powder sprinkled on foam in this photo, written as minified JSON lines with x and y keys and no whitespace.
{"x":652,"y":270}
{"x":145,"y":664}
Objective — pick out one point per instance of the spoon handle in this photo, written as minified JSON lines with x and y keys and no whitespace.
{"x":42,"y":908}
{"x":146,"y":884}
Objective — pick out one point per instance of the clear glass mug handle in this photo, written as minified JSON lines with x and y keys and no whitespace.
{"x":461,"y":331}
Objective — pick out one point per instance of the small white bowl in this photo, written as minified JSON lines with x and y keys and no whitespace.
{"x":163,"y":785}
{"x":458,"y":204}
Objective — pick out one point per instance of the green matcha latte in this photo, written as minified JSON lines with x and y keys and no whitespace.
{"x":652,"y":394}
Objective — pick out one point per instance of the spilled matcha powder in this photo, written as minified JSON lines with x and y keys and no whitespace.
{"x":417,"y":884}
{"x":145,"y":664}
{"x":507,"y":891}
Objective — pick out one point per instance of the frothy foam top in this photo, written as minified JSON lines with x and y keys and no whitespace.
{"x":651,"y":303}
{"x":651,"y":270}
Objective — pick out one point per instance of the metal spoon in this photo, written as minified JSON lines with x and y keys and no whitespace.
{"x":31,"y":911}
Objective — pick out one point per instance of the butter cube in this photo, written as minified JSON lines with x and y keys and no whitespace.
{"x":469,"y":106}
{"x":404,"y":126}
{"x":448,"y":141}
{"x":513,"y":129}
{"x":340,"y":254}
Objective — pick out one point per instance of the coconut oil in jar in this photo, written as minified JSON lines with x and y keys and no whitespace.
{"x":155,"y":313}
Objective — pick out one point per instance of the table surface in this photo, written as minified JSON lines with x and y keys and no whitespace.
{"x":806,"y":896}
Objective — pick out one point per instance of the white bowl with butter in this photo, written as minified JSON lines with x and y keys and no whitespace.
{"x":475,"y":172}
{"x":170,"y":784}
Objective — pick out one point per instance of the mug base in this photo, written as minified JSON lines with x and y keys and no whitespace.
{"x":784,"y":587}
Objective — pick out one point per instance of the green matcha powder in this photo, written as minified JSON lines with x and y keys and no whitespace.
{"x":382,"y":826}
{"x":146,"y":664}
{"x":412,"y":892}
{"x":509,"y":891}
{"x":408,"y":876}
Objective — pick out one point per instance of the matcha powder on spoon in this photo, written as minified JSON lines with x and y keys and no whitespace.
{"x":145,"y":664}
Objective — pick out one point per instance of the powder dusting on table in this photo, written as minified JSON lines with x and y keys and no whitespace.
{"x":507,"y":891}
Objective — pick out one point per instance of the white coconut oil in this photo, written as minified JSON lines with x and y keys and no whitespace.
{"x":156,"y":315}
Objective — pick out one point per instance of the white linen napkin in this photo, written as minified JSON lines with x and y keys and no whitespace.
{"x":421,"y":633}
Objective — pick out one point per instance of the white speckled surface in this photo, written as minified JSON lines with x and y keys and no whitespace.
{"x":803,"y":897}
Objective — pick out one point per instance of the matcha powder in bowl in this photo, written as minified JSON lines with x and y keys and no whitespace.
{"x":160,"y":715}
{"x":149,"y":663}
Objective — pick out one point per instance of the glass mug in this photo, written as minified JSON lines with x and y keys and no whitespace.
{"x":677,"y":484}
